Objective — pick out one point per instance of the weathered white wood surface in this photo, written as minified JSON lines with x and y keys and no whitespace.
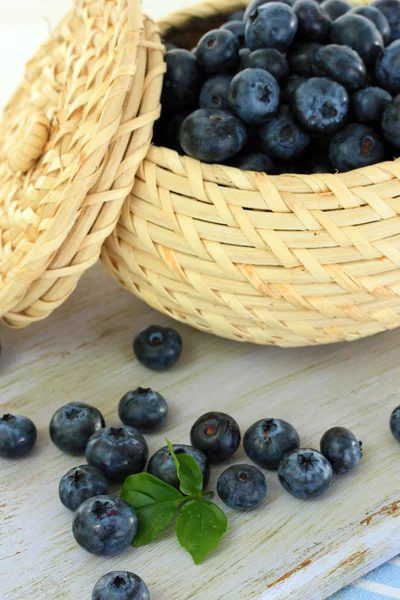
{"x":287,"y":549}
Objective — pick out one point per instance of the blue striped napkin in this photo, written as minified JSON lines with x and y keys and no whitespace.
{"x":381,"y":584}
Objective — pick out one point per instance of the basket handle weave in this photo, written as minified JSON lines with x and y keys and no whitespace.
{"x":29,"y":149}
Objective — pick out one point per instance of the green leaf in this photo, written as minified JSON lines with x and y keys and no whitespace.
{"x":189,"y":473}
{"x":199,"y":527}
{"x":155,"y":504}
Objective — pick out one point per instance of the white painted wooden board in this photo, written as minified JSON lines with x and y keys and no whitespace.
{"x":287,"y":549}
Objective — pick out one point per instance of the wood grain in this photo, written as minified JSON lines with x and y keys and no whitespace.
{"x":287,"y":549}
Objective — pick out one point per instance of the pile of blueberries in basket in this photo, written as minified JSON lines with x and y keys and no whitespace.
{"x":105,"y":525}
{"x":288,"y":86}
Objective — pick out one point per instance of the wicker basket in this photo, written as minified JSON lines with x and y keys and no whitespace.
{"x":290,"y":260}
{"x":71,"y":140}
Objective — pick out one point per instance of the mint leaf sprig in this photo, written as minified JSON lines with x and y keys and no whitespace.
{"x":200,"y":524}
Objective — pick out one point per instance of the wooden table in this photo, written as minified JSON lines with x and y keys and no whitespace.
{"x":287,"y":549}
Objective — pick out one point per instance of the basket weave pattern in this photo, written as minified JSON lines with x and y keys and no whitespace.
{"x":71,"y":139}
{"x":288,"y":260}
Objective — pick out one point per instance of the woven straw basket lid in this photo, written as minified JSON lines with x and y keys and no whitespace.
{"x":71,"y":139}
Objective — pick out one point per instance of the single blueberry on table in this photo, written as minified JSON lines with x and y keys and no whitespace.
{"x":395,"y":423}
{"x":336,"y":8}
{"x":377,"y":18}
{"x":321,"y":105}
{"x":162,"y":466}
{"x":117,"y":452}
{"x":144,"y":409}
{"x":17,"y":436}
{"x":217,"y":435}
{"x":369,"y":104}
{"x":281,"y":137}
{"x":270,"y":60}
{"x":271,"y":25}
{"x":291,"y":85}
{"x":104,"y":525}
{"x":387,"y":68}
{"x":391,"y":10}
{"x":80,"y":484}
{"x":212,"y":135}
{"x":267,"y":441}
{"x":391,"y":124}
{"x":301,"y":58}
{"x":342,"y":64}
{"x":253,"y":95}
{"x":313,"y":20}
{"x":182,"y":80}
{"x":120,"y":585}
{"x":214,"y":93}
{"x":256,"y":3}
{"x":258,"y":161}
{"x":358,"y":33}
{"x":341,"y":447}
{"x":242,"y":487}
{"x":238,"y":15}
{"x":72,"y":426}
{"x":305,"y":473}
{"x":356,"y":146}
{"x":237,"y":28}
{"x":217,"y":51}
{"x":157,"y":347}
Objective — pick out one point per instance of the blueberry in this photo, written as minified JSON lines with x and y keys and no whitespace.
{"x":397,"y":101}
{"x":341,"y":447}
{"x":242,"y":486}
{"x":169,"y":46}
{"x":120,"y":585}
{"x":305,"y":473}
{"x":342,"y":64}
{"x":358,"y":33}
{"x":313,"y":21}
{"x":162,"y":466}
{"x":387,"y":68}
{"x":17,"y":436}
{"x":253,"y":95}
{"x":117,"y":452}
{"x":282,"y":138}
{"x":356,"y":146}
{"x":288,"y":90}
{"x":336,"y":8}
{"x":182,"y":80}
{"x":243,"y":55}
{"x":238,"y":15}
{"x":157,"y":347}
{"x":257,"y":161}
{"x":217,"y":51}
{"x":237,"y":28}
{"x":321,"y":105}
{"x":214,"y":93}
{"x":377,"y":18}
{"x":391,"y":124}
{"x":320,"y":165}
{"x":144,"y":409}
{"x":268,"y":440}
{"x":256,"y":3}
{"x":368,"y":105}
{"x":171,"y":126}
{"x":270,"y":60}
{"x":301,"y":58}
{"x":395,"y":423}
{"x":212,"y":135}
{"x":391,"y":10}
{"x":104,"y":525}
{"x":72,"y":426}
{"x":272,"y":25}
{"x":217,"y":435}
{"x":80,"y":484}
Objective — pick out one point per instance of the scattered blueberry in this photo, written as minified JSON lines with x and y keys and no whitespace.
{"x":358,"y":33}
{"x":356,"y":146}
{"x":144,"y":409}
{"x":217,"y":435}
{"x":336,"y":8}
{"x":313,"y":20}
{"x":253,"y":95}
{"x":377,"y":18}
{"x":387,"y":68}
{"x":270,"y":60}
{"x":271,"y":25}
{"x":80,"y":484}
{"x":342,"y":64}
{"x":301,"y":58}
{"x":368,"y":104}
{"x":258,"y":162}
{"x":182,"y":80}
{"x":17,"y":436}
{"x":321,"y":105}
{"x":117,"y":452}
{"x":391,"y":124}
{"x":104,"y":525}
{"x":157,"y":347}
{"x":268,"y":440}
{"x":217,"y":51}
{"x":237,"y":28}
{"x":341,"y":447}
{"x":162,"y":466}
{"x":391,"y":10}
{"x":305,"y":473}
{"x":72,"y":426}
{"x":282,"y":138}
{"x":214,"y":93}
{"x":242,"y":487}
{"x":395,"y":423}
{"x":120,"y":585}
